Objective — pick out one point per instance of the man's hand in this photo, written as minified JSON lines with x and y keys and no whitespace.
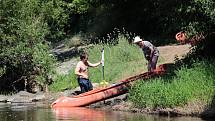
{"x":148,"y":58}
{"x":85,"y":76}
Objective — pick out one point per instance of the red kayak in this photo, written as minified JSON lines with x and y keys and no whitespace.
{"x":100,"y":94}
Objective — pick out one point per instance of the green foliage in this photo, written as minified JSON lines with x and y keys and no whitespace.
{"x":79,"y":6}
{"x":163,"y":18}
{"x":201,"y":17}
{"x":64,"y":17}
{"x":44,"y":61}
{"x":62,"y":82}
{"x":55,"y":15}
{"x":180,"y":90}
{"x":22,"y":36}
{"x":121,"y":60}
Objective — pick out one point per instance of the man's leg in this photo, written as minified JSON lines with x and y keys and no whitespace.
{"x":149,"y":66}
{"x":87,"y":85}
{"x":83,"y":85}
{"x":154,"y":63}
{"x":90,"y":85}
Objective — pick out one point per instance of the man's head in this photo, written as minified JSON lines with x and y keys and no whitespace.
{"x":138,"y":41}
{"x":83,"y":57}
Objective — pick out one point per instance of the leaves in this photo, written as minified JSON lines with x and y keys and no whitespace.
{"x":23,"y":30}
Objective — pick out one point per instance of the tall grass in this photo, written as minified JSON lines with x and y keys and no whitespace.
{"x":190,"y":84}
{"x":121,"y":60}
{"x":62,"y":82}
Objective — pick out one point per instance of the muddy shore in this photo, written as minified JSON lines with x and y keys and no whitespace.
{"x":121,"y":103}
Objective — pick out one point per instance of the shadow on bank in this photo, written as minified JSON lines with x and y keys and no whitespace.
{"x":62,"y":53}
{"x":209,"y":112}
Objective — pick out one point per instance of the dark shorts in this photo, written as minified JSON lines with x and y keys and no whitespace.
{"x":85,"y":85}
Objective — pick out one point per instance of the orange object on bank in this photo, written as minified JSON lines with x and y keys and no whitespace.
{"x":181,"y":37}
{"x":100,"y":94}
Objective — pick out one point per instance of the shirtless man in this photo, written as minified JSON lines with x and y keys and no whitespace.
{"x":81,"y":71}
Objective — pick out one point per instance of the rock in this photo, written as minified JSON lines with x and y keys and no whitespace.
{"x":73,"y":92}
{"x":21,"y":97}
{"x":40,"y":97}
{"x":25,"y":97}
{"x":3,"y":98}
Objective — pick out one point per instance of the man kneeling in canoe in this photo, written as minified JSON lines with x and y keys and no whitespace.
{"x":81,"y":71}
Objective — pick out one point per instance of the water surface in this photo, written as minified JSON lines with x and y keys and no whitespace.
{"x":43,"y":112}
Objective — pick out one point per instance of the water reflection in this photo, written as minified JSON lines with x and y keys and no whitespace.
{"x":80,"y":114}
{"x":42,"y":112}
{"x":86,"y":114}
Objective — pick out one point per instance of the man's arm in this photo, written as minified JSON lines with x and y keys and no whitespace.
{"x":151,"y":47}
{"x":77,"y":71}
{"x":94,"y":65}
{"x":152,"y":51}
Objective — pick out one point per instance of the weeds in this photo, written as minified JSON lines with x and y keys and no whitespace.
{"x":121,"y":60}
{"x":63,"y":82}
{"x":195,"y":83}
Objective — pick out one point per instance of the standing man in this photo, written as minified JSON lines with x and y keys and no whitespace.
{"x":151,"y":53}
{"x":81,"y":71}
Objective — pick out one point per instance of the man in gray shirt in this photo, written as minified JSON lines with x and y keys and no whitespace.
{"x":151,"y":53}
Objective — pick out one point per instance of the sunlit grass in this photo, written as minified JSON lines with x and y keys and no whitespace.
{"x":121,"y":60}
{"x":62,"y":82}
{"x":189,"y":84}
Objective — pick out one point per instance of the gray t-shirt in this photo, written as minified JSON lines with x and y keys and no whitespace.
{"x":147,"y":51}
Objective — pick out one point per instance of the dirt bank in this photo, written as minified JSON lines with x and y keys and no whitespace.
{"x":168,"y":53}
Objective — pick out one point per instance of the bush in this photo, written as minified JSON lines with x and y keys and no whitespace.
{"x":23,"y":48}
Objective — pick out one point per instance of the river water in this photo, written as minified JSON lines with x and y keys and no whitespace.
{"x":43,"y":112}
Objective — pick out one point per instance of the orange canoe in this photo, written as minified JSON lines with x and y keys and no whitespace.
{"x":103,"y":93}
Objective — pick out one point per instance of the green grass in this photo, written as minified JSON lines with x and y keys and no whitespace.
{"x":121,"y":60}
{"x":189,"y":84}
{"x":62,"y":82}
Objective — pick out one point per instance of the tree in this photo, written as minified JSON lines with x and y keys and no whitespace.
{"x":22,"y":32}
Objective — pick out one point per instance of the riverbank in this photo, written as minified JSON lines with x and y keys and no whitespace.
{"x":119,"y":103}
{"x":191,"y":109}
{"x":194,"y":109}
{"x":122,"y":103}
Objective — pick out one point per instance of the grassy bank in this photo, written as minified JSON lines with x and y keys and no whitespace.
{"x":121,"y":60}
{"x":193,"y":84}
